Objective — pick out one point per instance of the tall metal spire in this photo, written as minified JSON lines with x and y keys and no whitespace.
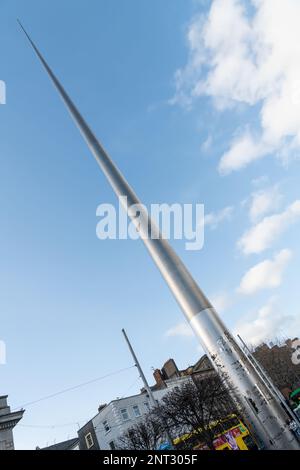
{"x":268,"y":420}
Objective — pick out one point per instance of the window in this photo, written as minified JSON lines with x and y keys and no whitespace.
{"x":253,"y":404}
{"x":136,"y":411}
{"x":112,"y":445}
{"x":147,"y":406}
{"x":89,"y":440}
{"x":106,"y":426}
{"x":125,"y":414}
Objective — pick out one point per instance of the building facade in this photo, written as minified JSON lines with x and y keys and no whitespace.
{"x":169,"y":372}
{"x":8,"y":420}
{"x":87,"y":437}
{"x":104,"y":430}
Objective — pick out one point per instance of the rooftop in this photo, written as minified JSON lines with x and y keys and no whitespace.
{"x":65,"y":445}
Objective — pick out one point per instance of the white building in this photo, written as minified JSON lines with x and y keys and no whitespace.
{"x":104,"y":430}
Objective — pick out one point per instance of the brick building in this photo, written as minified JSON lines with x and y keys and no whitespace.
{"x":169,"y":371}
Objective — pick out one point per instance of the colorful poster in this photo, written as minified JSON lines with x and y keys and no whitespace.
{"x":231,"y":440}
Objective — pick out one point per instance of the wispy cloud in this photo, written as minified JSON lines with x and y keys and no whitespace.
{"x":207,"y":144}
{"x":264,"y":201}
{"x":221,"y":301}
{"x":268,"y":323}
{"x":213,"y":219}
{"x":182,"y":329}
{"x":265,"y":275}
{"x":262,"y":235}
{"x":251,"y":58}
{"x":244,"y":150}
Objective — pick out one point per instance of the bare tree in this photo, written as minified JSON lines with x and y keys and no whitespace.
{"x":145,"y":435}
{"x":193,"y":407}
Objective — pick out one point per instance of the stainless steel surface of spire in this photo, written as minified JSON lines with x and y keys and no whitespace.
{"x":268,"y":420}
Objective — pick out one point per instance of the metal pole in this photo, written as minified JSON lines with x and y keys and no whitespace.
{"x":136,"y":362}
{"x":260,"y":404}
{"x":153,"y":402}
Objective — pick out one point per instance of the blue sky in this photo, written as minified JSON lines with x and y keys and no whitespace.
{"x":177,"y":137}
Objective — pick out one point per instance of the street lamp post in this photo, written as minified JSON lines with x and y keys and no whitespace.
{"x":154,"y":403}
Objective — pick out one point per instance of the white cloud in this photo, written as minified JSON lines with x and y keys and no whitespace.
{"x":243,"y":151}
{"x":261,"y":236}
{"x":237,"y":56}
{"x":265,"y":275}
{"x":260,"y":181}
{"x":213,"y":219}
{"x":267,"y":324}
{"x":207,"y":144}
{"x":220,"y":302}
{"x":182,"y":329}
{"x":264,"y":201}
